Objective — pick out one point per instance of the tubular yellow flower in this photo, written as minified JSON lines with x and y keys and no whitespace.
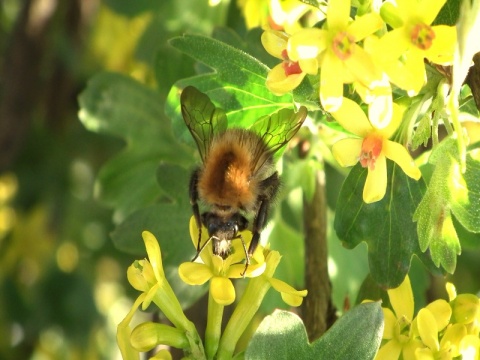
{"x":218,"y":270}
{"x":148,"y":276}
{"x":371,"y":148}
{"x":339,"y":56}
{"x":402,"y":50}
{"x":251,"y":301}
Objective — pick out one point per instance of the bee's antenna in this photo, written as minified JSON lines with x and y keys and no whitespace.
{"x":201,"y":248}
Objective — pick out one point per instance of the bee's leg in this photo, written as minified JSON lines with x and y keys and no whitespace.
{"x":193,"y":190}
{"x":269,"y":188}
{"x":247,"y":257}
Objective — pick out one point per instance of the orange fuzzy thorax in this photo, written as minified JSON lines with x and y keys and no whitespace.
{"x":227,"y":179}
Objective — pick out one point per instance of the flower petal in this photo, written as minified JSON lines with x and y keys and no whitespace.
{"x":150,"y":295}
{"x":392,"y":46}
{"x":135,"y":276}
{"x":347,"y":151}
{"x":253,"y":270}
{"x":361,"y":65}
{"x":365,"y":25}
{"x":124,"y":331}
{"x":279,"y":84}
{"x":331,"y":85}
{"x":154,"y":255}
{"x":415,"y":66}
{"x":452,"y":339}
{"x":352,"y":118}
{"x":207,"y":251}
{"x":380,"y":111}
{"x":194,"y":273}
{"x":338,"y":14}
{"x":442,"y":312}
{"x":429,"y":9}
{"x":390,"y":351}
{"x":428,"y":329}
{"x":389,"y":320}
{"x":222,"y":290}
{"x":424,"y":354}
{"x":397,"y":153}
{"x":291,"y":296}
{"x":443,"y":46}
{"x":401,"y":299}
{"x":274,"y":42}
{"x":397,"y":116}
{"x":376,"y":183}
{"x":310,"y":66}
{"x":469,"y":347}
{"x":307,"y":44}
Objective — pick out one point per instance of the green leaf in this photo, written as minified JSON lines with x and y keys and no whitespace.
{"x":448,"y":15}
{"x":466,"y":194}
{"x":117,"y":105}
{"x":236,"y":83}
{"x":282,"y":335}
{"x":386,"y":225}
{"x":449,"y":192}
{"x":422,"y":132}
{"x":356,"y":335}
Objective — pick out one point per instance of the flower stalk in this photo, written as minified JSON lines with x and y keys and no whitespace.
{"x":214,"y":326}
{"x":247,"y":308}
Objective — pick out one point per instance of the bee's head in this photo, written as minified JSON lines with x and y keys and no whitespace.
{"x":224,"y":228}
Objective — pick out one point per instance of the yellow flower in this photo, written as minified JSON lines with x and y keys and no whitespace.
{"x":371,"y":148}
{"x":218,"y":270}
{"x":432,"y":320}
{"x":287,"y":75}
{"x":147,"y":276}
{"x":402,"y":50}
{"x":335,"y":47}
{"x":399,"y":330}
{"x":251,"y":301}
{"x":275,"y":14}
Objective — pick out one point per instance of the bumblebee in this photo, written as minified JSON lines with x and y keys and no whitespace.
{"x":237,"y":177}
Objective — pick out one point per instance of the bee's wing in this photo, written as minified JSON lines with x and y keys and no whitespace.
{"x":202,"y":118}
{"x":276,"y":131}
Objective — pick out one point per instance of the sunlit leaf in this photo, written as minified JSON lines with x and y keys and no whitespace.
{"x":449,"y":192}
{"x":236,"y":83}
{"x":282,"y":335}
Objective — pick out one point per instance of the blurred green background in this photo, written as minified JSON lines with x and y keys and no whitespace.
{"x":63,"y":287}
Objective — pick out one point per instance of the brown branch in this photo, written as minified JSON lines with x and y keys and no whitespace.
{"x":318,"y":309}
{"x":20,"y":81}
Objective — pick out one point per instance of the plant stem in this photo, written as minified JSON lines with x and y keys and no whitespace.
{"x":247,"y":308}
{"x":318,"y":310}
{"x":214,"y":327}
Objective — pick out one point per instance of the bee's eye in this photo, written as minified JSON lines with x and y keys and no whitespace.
{"x":212,"y":228}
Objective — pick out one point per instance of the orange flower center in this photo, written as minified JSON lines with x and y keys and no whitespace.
{"x":290,"y":67}
{"x":343,"y":45}
{"x":371,"y":149}
{"x":422,"y":36}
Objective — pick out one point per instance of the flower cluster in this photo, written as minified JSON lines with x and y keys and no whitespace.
{"x":372,"y":52}
{"x":441,"y":330}
{"x":148,"y":277}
